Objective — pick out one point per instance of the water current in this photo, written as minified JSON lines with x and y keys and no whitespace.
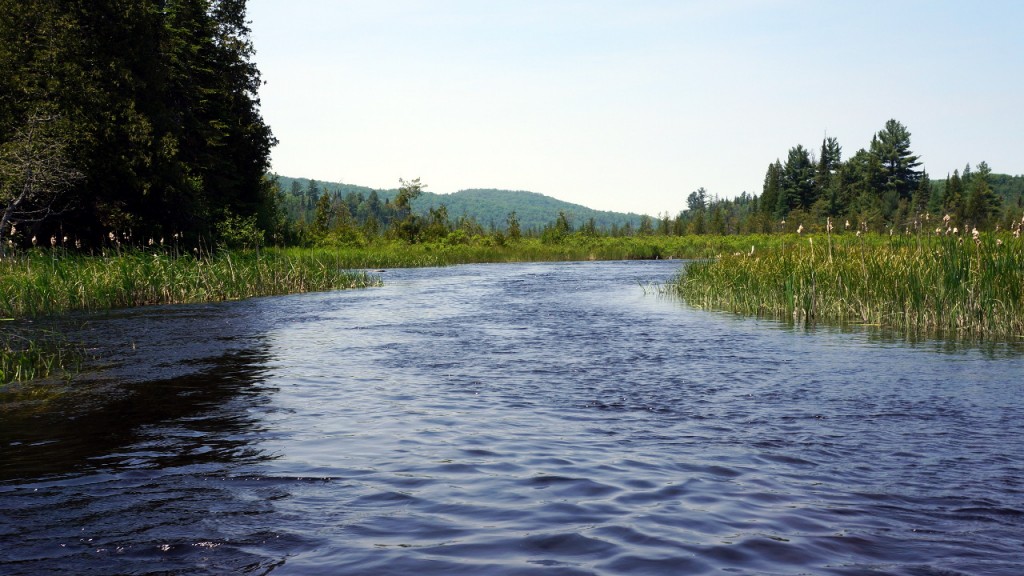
{"x":514,"y":419}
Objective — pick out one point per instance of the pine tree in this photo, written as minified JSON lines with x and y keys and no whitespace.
{"x":892,"y":148}
{"x":953,"y":204}
{"x":922,"y":194}
{"x":797,"y":181}
{"x":828,"y":163}
{"x":772,"y":189}
{"x":983,"y":204}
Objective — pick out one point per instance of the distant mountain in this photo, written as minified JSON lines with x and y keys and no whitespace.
{"x":487,"y":206}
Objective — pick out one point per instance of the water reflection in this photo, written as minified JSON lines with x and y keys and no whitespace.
{"x":163,"y":398}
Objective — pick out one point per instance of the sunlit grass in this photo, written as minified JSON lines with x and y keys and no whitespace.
{"x":944,"y":285}
{"x":45,"y":283}
{"x":42,"y":283}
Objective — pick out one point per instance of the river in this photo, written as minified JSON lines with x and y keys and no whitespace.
{"x":514,"y":419}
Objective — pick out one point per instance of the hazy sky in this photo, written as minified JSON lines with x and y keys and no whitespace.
{"x":630,"y":105}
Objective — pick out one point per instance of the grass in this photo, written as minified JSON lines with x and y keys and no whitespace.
{"x":572,"y":248}
{"x":42,"y":283}
{"x":945,"y":285}
{"x":28,"y":356}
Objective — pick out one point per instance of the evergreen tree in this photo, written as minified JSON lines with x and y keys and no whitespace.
{"x":797,"y":188}
{"x":828,"y":165}
{"x":953,"y":203}
{"x":772,"y":190}
{"x":892,"y":148}
{"x":160,"y":101}
{"x":922,"y":194}
{"x":983,"y":205}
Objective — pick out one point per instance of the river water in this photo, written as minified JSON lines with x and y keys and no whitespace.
{"x":514,"y":419}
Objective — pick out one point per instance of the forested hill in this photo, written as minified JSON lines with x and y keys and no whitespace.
{"x":489,"y":207}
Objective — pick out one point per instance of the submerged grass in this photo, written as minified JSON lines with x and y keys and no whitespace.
{"x":27,"y":356}
{"x":940,"y":285}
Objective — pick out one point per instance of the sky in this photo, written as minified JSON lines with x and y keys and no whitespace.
{"x":629,"y":105}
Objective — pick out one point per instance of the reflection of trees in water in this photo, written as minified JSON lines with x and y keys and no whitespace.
{"x":201,"y":417}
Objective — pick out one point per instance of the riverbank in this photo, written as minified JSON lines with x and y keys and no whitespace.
{"x":945,"y":285}
{"x":47,"y":282}
{"x":50,"y":282}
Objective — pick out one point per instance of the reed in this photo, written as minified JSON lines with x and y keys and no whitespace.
{"x":43,"y":283}
{"x":28,"y":356}
{"x":944,"y":285}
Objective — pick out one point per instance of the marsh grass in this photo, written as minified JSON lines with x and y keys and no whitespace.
{"x":919,"y":285}
{"x":39,"y":283}
{"x":572,"y":248}
{"x":45,"y":283}
{"x":32,"y":355}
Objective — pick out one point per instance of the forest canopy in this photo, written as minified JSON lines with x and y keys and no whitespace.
{"x":129,"y":116}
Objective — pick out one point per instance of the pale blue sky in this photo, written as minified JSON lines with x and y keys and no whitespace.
{"x":629,"y":105}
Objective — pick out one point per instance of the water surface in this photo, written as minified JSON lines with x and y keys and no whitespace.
{"x":515,"y":419}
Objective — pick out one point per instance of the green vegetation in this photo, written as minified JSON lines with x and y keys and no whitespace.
{"x":133,"y":170}
{"x":128,"y":116}
{"x":45,"y":283}
{"x":489,"y":209}
{"x":944,"y":285}
{"x":30,"y":355}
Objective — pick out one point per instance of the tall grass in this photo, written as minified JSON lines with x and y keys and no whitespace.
{"x":40,"y":283}
{"x":43,"y":283}
{"x":944,"y":285}
{"x":572,"y":248}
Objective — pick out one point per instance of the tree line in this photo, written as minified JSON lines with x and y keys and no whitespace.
{"x":135,"y":117}
{"x":881,"y":187}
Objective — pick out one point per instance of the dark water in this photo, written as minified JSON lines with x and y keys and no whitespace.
{"x":515,"y":419}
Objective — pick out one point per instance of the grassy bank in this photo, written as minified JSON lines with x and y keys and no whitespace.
{"x":940,"y":285}
{"x":44,"y":283}
{"x":572,"y":248}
